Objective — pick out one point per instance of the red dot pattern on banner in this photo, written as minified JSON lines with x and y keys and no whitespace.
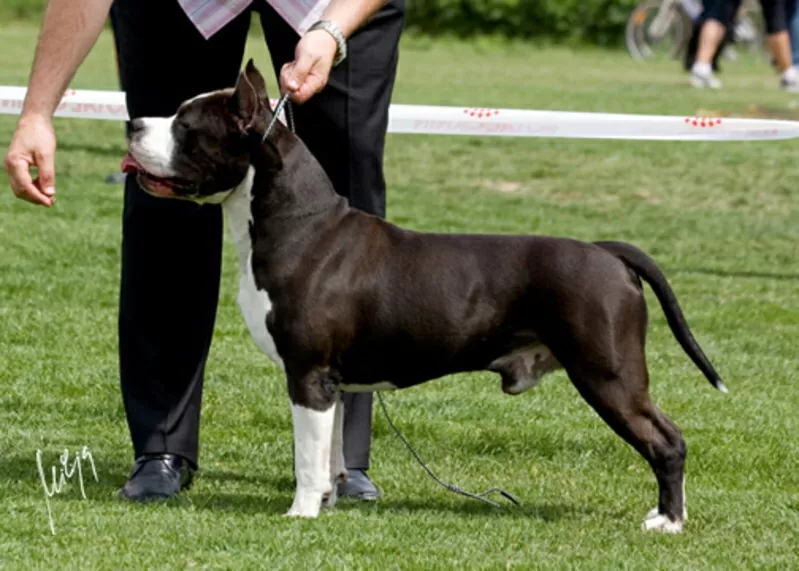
{"x":70,"y":93}
{"x":480,"y":112}
{"x":702,"y":121}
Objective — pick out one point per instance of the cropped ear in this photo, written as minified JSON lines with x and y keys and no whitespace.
{"x":249,"y":98}
{"x":257,"y":81}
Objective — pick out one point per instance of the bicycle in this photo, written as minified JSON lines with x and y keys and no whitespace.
{"x":661,"y":28}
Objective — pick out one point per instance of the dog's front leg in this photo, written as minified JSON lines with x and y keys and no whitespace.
{"x":338,"y":469}
{"x":312,"y":412}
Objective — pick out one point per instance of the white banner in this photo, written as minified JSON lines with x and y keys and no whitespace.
{"x":436,"y":120}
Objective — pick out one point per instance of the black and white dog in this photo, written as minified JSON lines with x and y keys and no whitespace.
{"x":345,"y":301}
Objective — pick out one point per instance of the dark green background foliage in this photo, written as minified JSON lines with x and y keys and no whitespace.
{"x":592,"y":21}
{"x":21,"y":10}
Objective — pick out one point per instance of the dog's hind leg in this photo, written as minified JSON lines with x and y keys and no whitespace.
{"x":622,"y":400}
{"x":313,"y":412}
{"x":338,"y":469}
{"x":606,"y":362}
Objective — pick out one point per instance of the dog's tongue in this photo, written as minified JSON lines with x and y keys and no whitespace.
{"x":129,"y":164}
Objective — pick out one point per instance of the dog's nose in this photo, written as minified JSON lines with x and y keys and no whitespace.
{"x":136,"y":126}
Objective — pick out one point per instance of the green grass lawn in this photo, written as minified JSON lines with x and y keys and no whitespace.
{"x":722,"y":220}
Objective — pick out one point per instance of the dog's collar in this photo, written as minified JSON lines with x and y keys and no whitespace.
{"x":281,"y":103}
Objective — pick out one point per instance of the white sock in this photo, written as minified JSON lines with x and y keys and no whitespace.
{"x":790,"y":74}
{"x":702,"y":69}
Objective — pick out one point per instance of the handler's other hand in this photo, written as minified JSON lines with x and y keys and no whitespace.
{"x":313,"y":59}
{"x":33,"y":145}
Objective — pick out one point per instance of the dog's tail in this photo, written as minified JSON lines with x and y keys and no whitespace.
{"x":646,"y":268}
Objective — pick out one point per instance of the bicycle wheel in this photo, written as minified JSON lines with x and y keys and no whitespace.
{"x":651,"y":34}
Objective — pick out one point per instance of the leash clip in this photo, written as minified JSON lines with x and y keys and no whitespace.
{"x":281,"y":103}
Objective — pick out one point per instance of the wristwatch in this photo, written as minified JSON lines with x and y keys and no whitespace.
{"x":333,"y":29}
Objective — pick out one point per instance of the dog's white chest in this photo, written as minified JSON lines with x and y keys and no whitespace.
{"x":255,"y":306}
{"x":254,"y":303}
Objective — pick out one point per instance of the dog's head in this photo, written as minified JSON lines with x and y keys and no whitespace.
{"x":204,"y":150}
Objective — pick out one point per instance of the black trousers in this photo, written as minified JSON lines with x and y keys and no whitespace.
{"x":171,"y":250}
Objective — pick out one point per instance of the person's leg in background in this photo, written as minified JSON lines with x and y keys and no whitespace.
{"x":693,"y":43}
{"x":718,"y":16}
{"x":775,"y":15}
{"x":344,"y":126}
{"x":171,"y":250}
{"x":792,"y":15}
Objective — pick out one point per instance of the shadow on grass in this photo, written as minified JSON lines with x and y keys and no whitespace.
{"x":549,"y":512}
{"x":276,"y":497}
{"x":282,"y":483}
{"x":441,"y":504}
{"x":239,"y":503}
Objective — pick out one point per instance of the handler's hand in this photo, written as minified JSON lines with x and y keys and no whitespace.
{"x":33,"y":145}
{"x":313,"y":59}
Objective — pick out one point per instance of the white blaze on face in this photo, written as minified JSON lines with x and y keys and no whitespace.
{"x":154,"y":145}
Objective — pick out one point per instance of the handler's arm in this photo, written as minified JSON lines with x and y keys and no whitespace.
{"x":69,"y":30}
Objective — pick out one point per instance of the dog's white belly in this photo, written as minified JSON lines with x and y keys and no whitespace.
{"x":255,"y":305}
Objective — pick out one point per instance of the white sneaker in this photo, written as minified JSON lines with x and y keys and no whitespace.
{"x":790,"y":80}
{"x":701,"y":80}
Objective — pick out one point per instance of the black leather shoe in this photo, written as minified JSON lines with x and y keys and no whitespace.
{"x":157,"y":477}
{"x":358,"y":486}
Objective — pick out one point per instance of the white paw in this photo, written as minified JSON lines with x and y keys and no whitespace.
{"x":301,"y":513}
{"x":660,"y":522}
{"x":304,"y":506}
{"x":654,"y":511}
